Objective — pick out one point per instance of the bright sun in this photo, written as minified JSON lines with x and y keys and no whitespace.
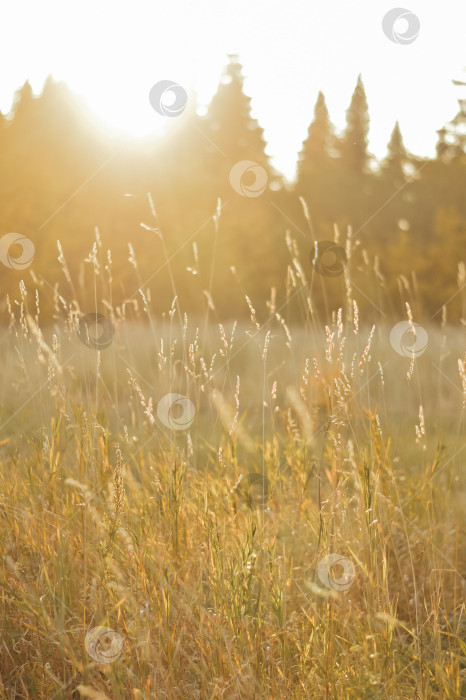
{"x":111,"y":54}
{"x":130,"y":112}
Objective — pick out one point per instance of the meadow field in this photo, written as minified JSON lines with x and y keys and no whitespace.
{"x":297,"y":536}
{"x":233,"y":350}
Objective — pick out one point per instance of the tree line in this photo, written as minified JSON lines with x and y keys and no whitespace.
{"x":401,"y":221}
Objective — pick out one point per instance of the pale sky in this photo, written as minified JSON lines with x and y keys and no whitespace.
{"x":112,"y":53}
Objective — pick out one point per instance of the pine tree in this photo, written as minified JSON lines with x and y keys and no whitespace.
{"x":391,"y":190}
{"x":441,"y":144}
{"x":392,"y":166}
{"x":317,"y":148}
{"x":23,"y":104}
{"x":234,"y":134}
{"x":248,"y":223}
{"x":353,"y":146}
{"x":317,"y":172}
{"x":458,"y":124}
{"x":451,"y":143}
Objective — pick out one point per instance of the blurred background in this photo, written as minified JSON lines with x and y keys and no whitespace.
{"x":365,"y":130}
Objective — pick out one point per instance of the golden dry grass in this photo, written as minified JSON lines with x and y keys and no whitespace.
{"x":110,"y":518}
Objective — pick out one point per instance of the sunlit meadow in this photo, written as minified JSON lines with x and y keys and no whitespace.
{"x":199,"y":548}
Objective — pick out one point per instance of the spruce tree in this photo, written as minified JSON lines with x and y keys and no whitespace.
{"x":353,"y":146}
{"x":394,"y":195}
{"x":317,"y":172}
{"x":248,"y":223}
{"x":451,"y":142}
{"x":452,"y":138}
{"x":233,"y":133}
{"x":392,"y":166}
{"x":23,"y":104}
{"x":320,"y":141}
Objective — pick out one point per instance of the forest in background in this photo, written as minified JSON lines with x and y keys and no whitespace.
{"x":270,"y":506}
{"x":61,"y":178}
